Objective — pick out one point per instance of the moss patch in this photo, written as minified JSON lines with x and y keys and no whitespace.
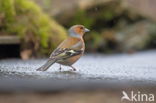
{"x":24,"y":18}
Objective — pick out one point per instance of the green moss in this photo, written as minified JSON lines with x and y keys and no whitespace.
{"x":25,"y":19}
{"x":95,"y":40}
{"x":81,"y":17}
{"x":7,"y":9}
{"x":107,"y":15}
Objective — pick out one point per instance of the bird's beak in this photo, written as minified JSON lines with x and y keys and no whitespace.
{"x":87,"y":30}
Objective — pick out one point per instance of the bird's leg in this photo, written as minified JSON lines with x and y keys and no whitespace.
{"x":73,"y":69}
{"x":60,"y":68}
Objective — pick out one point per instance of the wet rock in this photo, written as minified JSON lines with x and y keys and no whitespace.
{"x":93,"y":67}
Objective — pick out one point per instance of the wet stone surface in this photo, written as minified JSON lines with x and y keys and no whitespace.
{"x":121,"y":67}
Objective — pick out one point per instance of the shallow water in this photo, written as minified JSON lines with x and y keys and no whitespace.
{"x":122,"y":67}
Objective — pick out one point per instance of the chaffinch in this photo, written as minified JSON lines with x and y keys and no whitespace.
{"x":69,"y":51}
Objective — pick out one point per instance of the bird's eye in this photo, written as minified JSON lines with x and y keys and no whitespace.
{"x":81,"y":27}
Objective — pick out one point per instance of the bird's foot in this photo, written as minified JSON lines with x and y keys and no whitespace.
{"x":73,"y":69}
{"x":60,"y":68}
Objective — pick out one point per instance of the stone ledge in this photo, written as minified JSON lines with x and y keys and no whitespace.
{"x":9,"y":40}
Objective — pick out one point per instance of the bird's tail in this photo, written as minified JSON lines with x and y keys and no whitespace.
{"x":47,"y":65}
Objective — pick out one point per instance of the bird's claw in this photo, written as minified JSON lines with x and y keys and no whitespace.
{"x":73,"y":69}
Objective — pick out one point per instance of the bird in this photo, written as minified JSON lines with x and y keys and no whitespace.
{"x":69,"y":51}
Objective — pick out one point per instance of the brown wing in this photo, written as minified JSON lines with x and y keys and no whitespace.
{"x":70,"y":46}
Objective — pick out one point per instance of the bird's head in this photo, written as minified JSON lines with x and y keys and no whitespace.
{"x":78,"y":31}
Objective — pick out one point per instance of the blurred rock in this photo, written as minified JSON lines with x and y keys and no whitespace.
{"x":136,"y":36}
{"x":59,"y":7}
{"x":146,"y":8}
{"x":26,"y":54}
